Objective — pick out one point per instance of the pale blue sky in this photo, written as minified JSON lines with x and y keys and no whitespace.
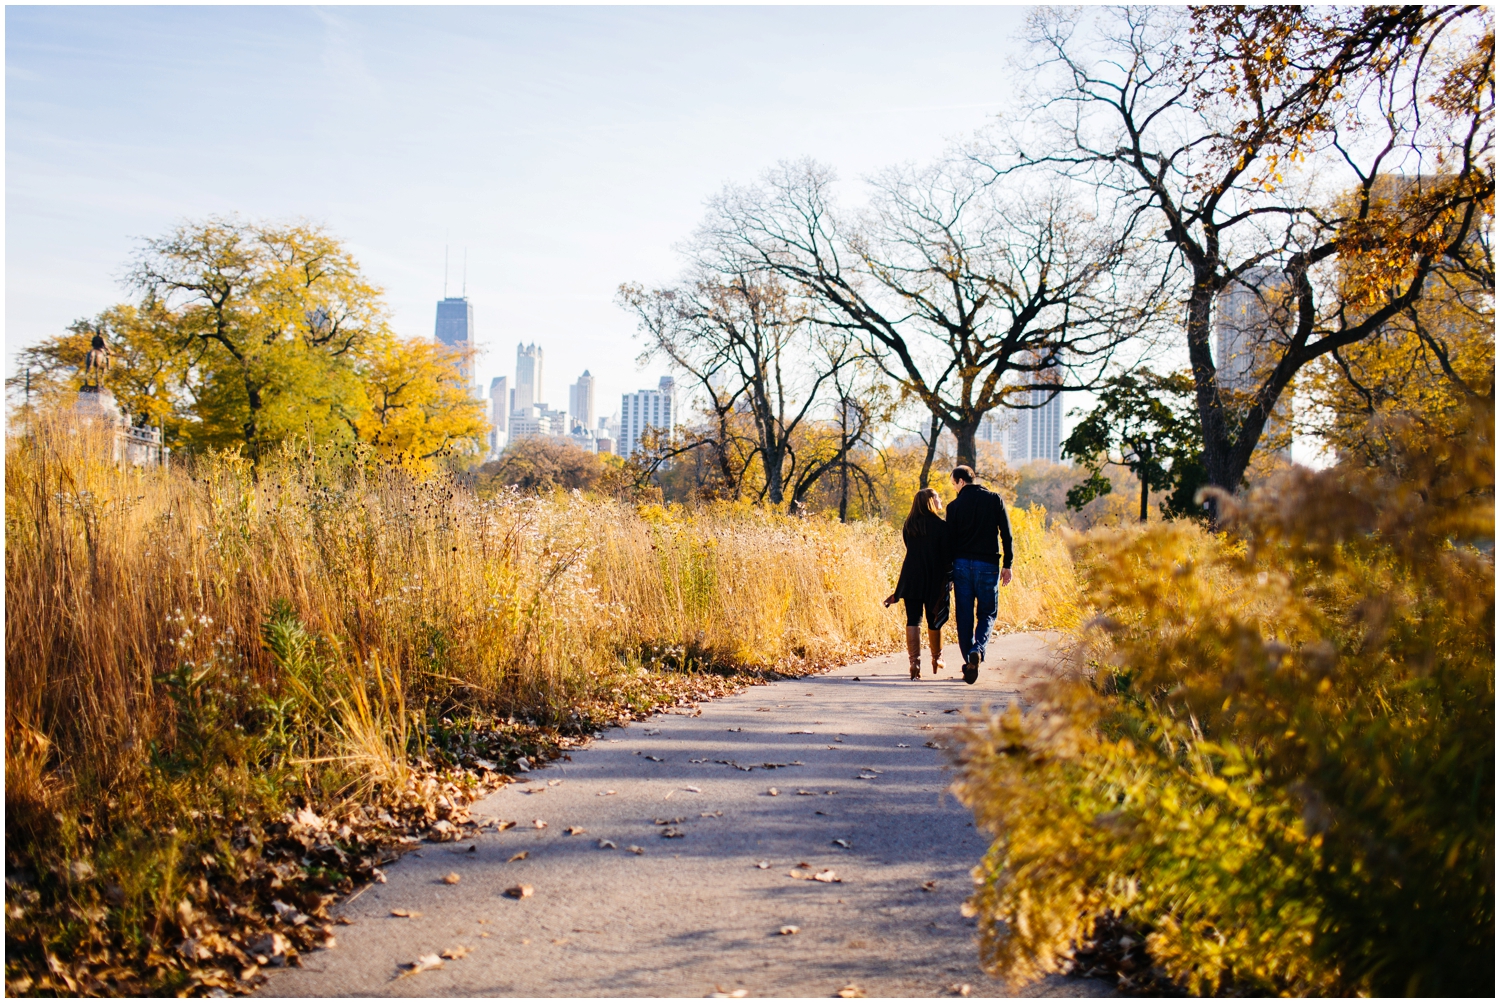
{"x":568,"y":148}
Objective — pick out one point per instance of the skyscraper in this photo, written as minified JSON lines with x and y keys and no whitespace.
{"x":646,"y":409}
{"x":499,"y":414}
{"x":1251,"y":316}
{"x":581,"y":401}
{"x":1035,"y":432}
{"x":455,"y":328}
{"x":528,"y":377}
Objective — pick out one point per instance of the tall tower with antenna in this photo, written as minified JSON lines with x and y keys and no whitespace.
{"x":455,"y":324}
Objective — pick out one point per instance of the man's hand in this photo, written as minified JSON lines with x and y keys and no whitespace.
{"x":890,"y":600}
{"x":1004,"y":576}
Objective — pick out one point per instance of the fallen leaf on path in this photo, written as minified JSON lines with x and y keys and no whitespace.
{"x":405,"y":914}
{"x":605,"y":844}
{"x":734,"y":729}
{"x":828,"y":878}
{"x":773,"y":792}
{"x":728,"y":994}
{"x":868,"y":776}
{"x":711,"y":814}
{"x":670,"y":821}
{"x":553,"y":783}
{"x":693,"y":790}
{"x":454,"y":953}
{"x":605,"y":794}
{"x":804,"y":864}
{"x":559,"y":941}
{"x":830,"y":792}
{"x":451,"y":878}
{"x":575,"y":830}
{"x":951,"y":710}
{"x":851,"y":992}
{"x":800,"y":733}
{"x":843,"y":842}
{"x":958,"y":989}
{"x":928,"y":886}
{"x":537,"y":823}
{"x":764,"y":865}
{"x":656,"y":759}
{"x":533,"y":790}
{"x":808,"y":793}
{"x":670,"y":833}
{"x":520,"y":891}
{"x":653,"y":731}
{"x":787,"y":931}
{"x":425,"y":963}
{"x":344,"y":921}
{"x":763,"y":710}
{"x":501,"y":825}
{"x":902,"y":745}
{"x":636,"y":850}
{"x":520,"y":856}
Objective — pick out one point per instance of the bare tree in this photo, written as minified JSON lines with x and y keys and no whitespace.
{"x":965,"y":291}
{"x":1325,"y":159}
{"x":747,"y":342}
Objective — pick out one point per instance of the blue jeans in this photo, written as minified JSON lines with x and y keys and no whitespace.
{"x":975,"y":584}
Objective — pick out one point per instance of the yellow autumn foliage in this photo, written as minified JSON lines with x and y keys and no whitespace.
{"x":1277,"y":754}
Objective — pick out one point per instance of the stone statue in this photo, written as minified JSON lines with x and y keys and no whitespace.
{"x":95,"y":365}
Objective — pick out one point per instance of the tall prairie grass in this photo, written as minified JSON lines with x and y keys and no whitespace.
{"x":138,"y":599}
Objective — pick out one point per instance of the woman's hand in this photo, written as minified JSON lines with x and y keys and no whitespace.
{"x":890,"y":600}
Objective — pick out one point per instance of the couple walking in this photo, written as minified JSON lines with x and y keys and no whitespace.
{"x":964,"y":549}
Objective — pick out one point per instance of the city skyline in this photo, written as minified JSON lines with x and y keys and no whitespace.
{"x":539,"y":96}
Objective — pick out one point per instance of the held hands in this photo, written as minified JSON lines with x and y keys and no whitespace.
{"x":1004,"y":576}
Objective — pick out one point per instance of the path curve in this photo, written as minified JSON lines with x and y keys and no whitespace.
{"x":693,"y":914}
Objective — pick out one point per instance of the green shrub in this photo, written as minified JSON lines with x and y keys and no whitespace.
{"x":1277,"y":759}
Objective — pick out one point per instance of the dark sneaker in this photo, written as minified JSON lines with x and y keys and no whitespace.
{"x":971,"y":668}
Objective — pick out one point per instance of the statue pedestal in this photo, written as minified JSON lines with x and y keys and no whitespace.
{"x":97,"y":403}
{"x":136,"y":446}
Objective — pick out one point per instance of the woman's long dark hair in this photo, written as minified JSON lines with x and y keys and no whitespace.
{"x":924,"y":502}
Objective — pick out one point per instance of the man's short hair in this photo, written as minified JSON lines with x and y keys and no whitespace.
{"x":964,"y":472}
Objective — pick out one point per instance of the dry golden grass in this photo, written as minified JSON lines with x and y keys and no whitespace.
{"x":421,"y":598}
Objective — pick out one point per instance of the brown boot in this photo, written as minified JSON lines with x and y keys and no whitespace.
{"x":935,"y":643}
{"x":914,"y":650}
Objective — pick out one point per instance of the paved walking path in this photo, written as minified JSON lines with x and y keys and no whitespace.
{"x":861,"y":794}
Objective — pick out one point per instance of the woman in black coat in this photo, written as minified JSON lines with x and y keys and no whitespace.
{"x":925,"y":575}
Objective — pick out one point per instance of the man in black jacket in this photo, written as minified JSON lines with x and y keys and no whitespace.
{"x":977,"y":530}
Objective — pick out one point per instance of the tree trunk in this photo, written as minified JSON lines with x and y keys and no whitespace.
{"x":932,"y":438}
{"x":252,"y":424}
{"x":844,"y":460}
{"x":968,"y":453}
{"x":1145,"y":496}
{"x":1216,"y":445}
{"x":773,"y":459}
